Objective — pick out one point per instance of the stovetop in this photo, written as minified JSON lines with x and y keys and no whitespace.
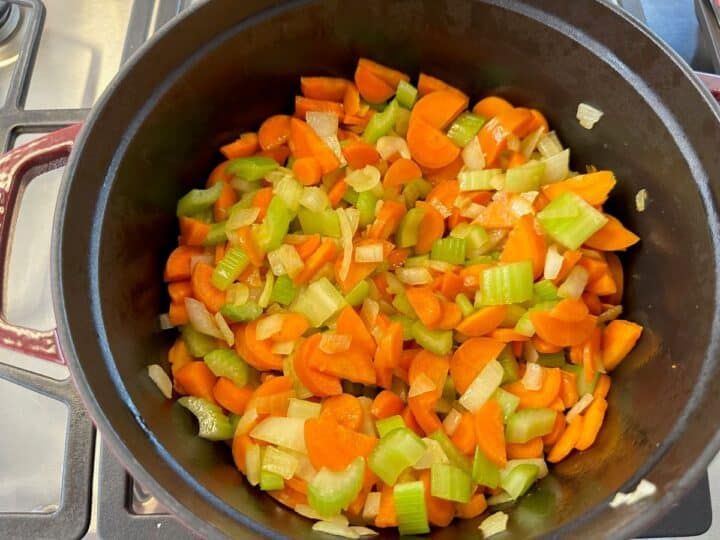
{"x":59,"y":480}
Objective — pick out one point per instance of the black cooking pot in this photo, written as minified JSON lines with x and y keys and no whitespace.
{"x":225,"y":65}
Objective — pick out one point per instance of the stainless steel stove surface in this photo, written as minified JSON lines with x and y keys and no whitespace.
{"x":58,"y":479}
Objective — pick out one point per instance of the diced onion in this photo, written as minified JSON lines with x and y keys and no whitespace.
{"x":439,"y":266}
{"x":394,"y":285}
{"x":530,"y":197}
{"x":160,"y":378}
{"x":557,"y":167}
{"x":242,"y":185}
{"x":283,"y":347}
{"x":433,"y":454}
{"x":363,"y":179}
{"x":364,"y":531}
{"x":237,"y":293}
{"x":164,"y":322}
{"x":421,"y":385}
{"x":203,"y":258}
{"x":520,"y":206}
{"x":473,"y":156}
{"x":315,"y":199}
{"x":577,"y":409}
{"x":285,"y":260}
{"x":334,"y":343}
{"x":378,"y":206}
{"x":641,"y":200}
{"x":369,"y":253}
{"x":543,"y":470}
{"x":369,"y":312}
{"x":482,"y":387}
{"x":574,"y":284}
{"x":461,"y":201}
{"x":513,"y":142}
{"x":529,"y":352}
{"x":322,"y":123}
{"x":389,"y":145}
{"x":353,"y":215}
{"x":284,"y":432}
{"x":346,"y":236}
{"x":334,"y":143}
{"x":247,"y":420}
{"x":452,"y":421}
{"x":549,"y":145}
{"x":643,"y":490}
{"x":305,"y":470}
{"x":241,"y":217}
{"x":371,"y":507}
{"x":610,"y":314}
{"x":227,"y":333}
{"x":500,"y":498}
{"x":588,"y":115}
{"x":414,"y":276}
{"x":529,"y":143}
{"x":472,"y":211}
{"x":532,"y":379}
{"x":440,"y":207}
{"x":268,"y":327}
{"x":307,"y":511}
{"x":201,"y":319}
{"x":264,"y":298}
{"x":335,"y":529}
{"x":496,"y":523}
{"x":278,"y":175}
{"x":553,"y":263}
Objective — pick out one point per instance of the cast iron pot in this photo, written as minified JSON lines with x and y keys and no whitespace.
{"x":225,"y":65}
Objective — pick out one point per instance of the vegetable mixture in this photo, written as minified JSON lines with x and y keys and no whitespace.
{"x":395,"y":309}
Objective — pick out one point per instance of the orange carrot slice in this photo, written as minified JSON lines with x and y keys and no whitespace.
{"x":618,"y":339}
{"x":429,"y":146}
{"x":304,"y":105}
{"x":439,"y":108}
{"x":523,"y":243}
{"x":612,"y":237}
{"x":492,"y":106}
{"x":593,"y":187}
{"x":204,"y":290}
{"x":483,"y":321}
{"x":274,"y":132}
{"x":345,"y":409}
{"x":490,"y":432}
{"x":318,"y":383}
{"x":332,"y":445}
{"x":246,"y":145}
{"x":325,"y":88}
{"x":470,"y":358}
{"x":400,"y":172}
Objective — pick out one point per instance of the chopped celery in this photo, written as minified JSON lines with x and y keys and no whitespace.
{"x":366,"y":203}
{"x":520,"y":479}
{"x":351,"y":196}
{"x":483,"y":386}
{"x":227,"y":363}
{"x":417,"y":261}
{"x":582,"y":386}
{"x":449,"y":249}
{"x":214,"y":425}
{"x":556,"y":359}
{"x":234,"y":421}
{"x":283,"y":291}
{"x":229,"y":268}
{"x":406,"y":94}
{"x":402,"y":304}
{"x":402,"y":121}
{"x":436,"y":341}
{"x":512,"y":315}
{"x":281,"y":431}
{"x":465,"y":305}
{"x":508,"y":403}
{"x":381,"y":123}
{"x":196,"y":343}
{"x":455,"y":456}
{"x":484,"y":471}
{"x":507,"y":284}
{"x":509,"y":365}
{"x":394,"y":453}
{"x":557,"y":167}
{"x":475,"y":235}
{"x":407,"y":233}
{"x":253,"y":462}
{"x":197,"y":200}
{"x":570,"y":220}
{"x":249,"y":311}
{"x":525,"y":178}
{"x":205,"y":215}
{"x":527,"y":424}
{"x":358,"y":293}
{"x":325,"y":222}
{"x":414,"y":190}
{"x":544,"y":291}
{"x":406,"y":323}
{"x":484,"y":179}
{"x":251,"y":168}
{"x":450,"y":483}
{"x":279,"y":462}
{"x":270,"y":234}
{"x":318,"y":302}
{"x":302,"y":408}
{"x":386,"y":425}
{"x":216,"y":234}
{"x":264,"y":299}
{"x":409,"y":499}
{"x":270,"y":481}
{"x":464,"y":128}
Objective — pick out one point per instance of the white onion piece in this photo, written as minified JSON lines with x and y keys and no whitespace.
{"x":305,"y":470}
{"x":285,"y":260}
{"x":433,"y":454}
{"x":641,"y":200}
{"x":473,"y":156}
{"x":530,"y":197}
{"x":553,"y":263}
{"x":378,"y":206}
{"x":414,"y":276}
{"x":264,"y":299}
{"x":284,"y":432}
{"x":307,"y":511}
{"x":277,"y":175}
{"x":247,"y":420}
{"x":473,"y":211}
{"x":322,"y":123}
{"x":346,"y":236}
{"x":160,"y":378}
{"x":334,"y":343}
{"x":529,"y":143}
{"x":369,"y":253}
{"x":268,"y":327}
{"x":540,"y":463}
{"x":643,"y":490}
{"x":369,"y":312}
{"x":353,"y":216}
{"x":394,"y":285}
{"x":364,"y":531}
{"x":237,"y":293}
{"x":549,"y":145}
{"x":334,"y":143}
{"x":530,"y":354}
{"x":482,"y":387}
{"x":513,"y":142}
{"x":574,"y":283}
{"x":315,"y":199}
{"x":494,"y":524}
{"x":588,"y":115}
{"x":532,"y":379}
{"x":577,"y":409}
{"x":201,"y":319}
{"x":520,"y":206}
{"x":368,"y":426}
{"x":164,"y":322}
{"x":440,"y":207}
{"x":241,"y":217}
{"x":421,"y":385}
{"x":363,"y":179}
{"x":242,"y":185}
{"x":452,"y":421}
{"x":610,"y":314}
{"x":372,"y":507}
{"x":461,"y":201}
{"x":389,"y":145}
{"x":203,"y":258}
{"x":334,"y":529}
{"x":227,"y":333}
{"x":283,"y":347}
{"x":557,"y":167}
{"x":439,"y":266}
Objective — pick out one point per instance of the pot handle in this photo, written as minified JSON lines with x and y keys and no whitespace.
{"x":18,"y":167}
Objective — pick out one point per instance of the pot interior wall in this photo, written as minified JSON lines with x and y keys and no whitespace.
{"x":251,"y":71}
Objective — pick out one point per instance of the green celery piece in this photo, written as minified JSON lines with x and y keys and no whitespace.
{"x":409,"y":499}
{"x":197,"y":344}
{"x":330,"y":492}
{"x":507,"y":284}
{"x":283,"y":291}
{"x":449,"y":392}
{"x":402,"y":121}
{"x":205,"y":215}
{"x":358,"y":293}
{"x":527,"y":177}
{"x":484,"y":471}
{"x":402,"y":304}
{"x":509,"y":365}
{"x":394,"y":453}
{"x":480,"y":180}
{"x":545,"y":291}
{"x":197,"y":200}
{"x":475,"y":235}
{"x":249,"y":311}
{"x":465,"y":305}
{"x":318,"y":302}
{"x":270,"y":481}
{"x":407,"y":233}
{"x":290,"y":191}
{"x":271,"y":233}
{"x":214,"y":425}
{"x":417,"y":260}
{"x":508,"y":403}
{"x":234,"y":420}
{"x":406,"y":94}
{"x":246,"y":200}
{"x":512,"y":316}
{"x":455,"y":456}
{"x":520,"y":479}
{"x":582,"y":386}
{"x":216,"y":235}
{"x":464,"y":128}
{"x":366,"y":203}
{"x":406,"y":323}
{"x":450,"y":483}
{"x":449,"y":249}
{"x":226,"y":363}
{"x":325,"y":223}
{"x":229,"y":268}
{"x":529,"y":423}
{"x":551,"y":360}
{"x":381,"y":123}
{"x":386,"y":425}
{"x":570,"y":220}
{"x":436,"y":341}
{"x":488,"y":258}
{"x":251,"y":168}
{"x":351,"y":196}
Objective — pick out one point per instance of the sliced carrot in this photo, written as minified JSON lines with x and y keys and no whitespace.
{"x":261,"y":201}
{"x":516,"y":159}
{"x":535,"y":399}
{"x":288,"y":496}
{"x":559,"y":332}
{"x":307,"y":170}
{"x":543,"y":346}
{"x":446,"y":172}
{"x":308,"y":246}
{"x":318,"y":383}
{"x":204,"y":290}
{"x":612,"y":237}
{"x":483,"y":321}
{"x":472,"y":509}
{"x":439,"y":511}
{"x":531,"y":449}
{"x":433,"y":366}
{"x":432,"y":227}
{"x":507,"y":335}
{"x":246,"y":145}
{"x":351,"y":100}
{"x":618,"y":339}
{"x":602,"y":286}
{"x":492,"y":106}
{"x":592,"y":302}
{"x":557,"y":430}
{"x":359,"y":153}
{"x":397,"y":257}
{"x":372,"y":88}
{"x":337,"y":192}
{"x":569,"y":310}
{"x":193,"y":232}
{"x":523,"y":243}
{"x":387,"y":355}
{"x":231,"y":396}
{"x":226,"y":200}
{"x":260,"y":350}
{"x":345,"y":409}
{"x":450,"y":317}
{"x":177,"y":267}
{"x":325,"y":88}
{"x":279,"y":154}
{"x":616,"y":272}
{"x":197,"y":380}
{"x":385,"y":404}
{"x":297,"y":484}
{"x":274,"y":132}
{"x":400,"y":172}
{"x":498,"y":215}
{"x":490,"y":432}
{"x":439,"y":108}
{"x":387,"y":220}
{"x":304,"y":105}
{"x":178,"y":314}
{"x":293,"y":326}
{"x":429,"y":146}
{"x":570,"y":258}
{"x":602,"y":387}
{"x":422,"y":410}
{"x":389,"y":75}
{"x":445,"y":192}
{"x":567,"y":441}
{"x":425,"y":304}
{"x":591,"y":354}
{"x":593,"y":187}
{"x":350,"y":323}
{"x":387,"y":516}
{"x":239,"y":448}
{"x":428,"y":83}
{"x":593,"y":420}
{"x":304,"y":142}
{"x":568,"y":389}
{"x":464,"y":435}
{"x":409,"y":419}
{"x":451,"y":284}
{"x":332,"y":445}
{"x":539,"y":121}
{"x":218,"y":173}
{"x":355,"y":364}
{"x":247,"y":243}
{"x":325,"y":253}
{"x":470,"y":358}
